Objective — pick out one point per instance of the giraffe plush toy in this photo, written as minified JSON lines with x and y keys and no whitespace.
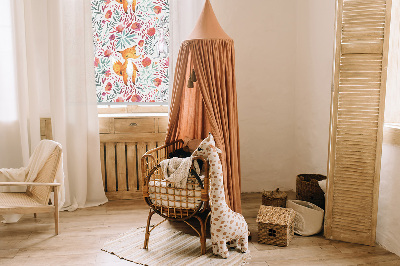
{"x":226,"y":225}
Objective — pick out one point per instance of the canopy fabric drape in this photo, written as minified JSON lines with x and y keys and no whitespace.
{"x":211,"y":106}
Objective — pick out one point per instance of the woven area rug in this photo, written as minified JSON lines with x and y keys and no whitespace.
{"x":167,"y":247}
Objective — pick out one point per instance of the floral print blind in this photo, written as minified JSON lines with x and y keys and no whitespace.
{"x":131,"y":39}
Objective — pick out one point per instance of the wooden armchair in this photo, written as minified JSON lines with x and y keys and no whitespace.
{"x":36,"y":197}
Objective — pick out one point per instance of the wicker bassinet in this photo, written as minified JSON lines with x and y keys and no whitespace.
{"x":170,"y":202}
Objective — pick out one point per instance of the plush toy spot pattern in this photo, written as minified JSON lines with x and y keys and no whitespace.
{"x":226,"y":225}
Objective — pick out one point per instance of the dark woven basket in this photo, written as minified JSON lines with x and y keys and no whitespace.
{"x":274,"y":198}
{"x":308,"y":189}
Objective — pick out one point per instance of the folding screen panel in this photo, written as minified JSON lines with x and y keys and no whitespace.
{"x":358,"y":96}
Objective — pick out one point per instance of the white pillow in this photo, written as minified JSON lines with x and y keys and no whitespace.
{"x":322,"y":184}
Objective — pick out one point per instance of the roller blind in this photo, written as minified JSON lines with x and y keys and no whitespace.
{"x":131,"y":45}
{"x":358,"y":97}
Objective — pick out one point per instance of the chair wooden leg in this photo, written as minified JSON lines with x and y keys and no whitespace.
{"x":147,"y":235}
{"x":203,"y":236}
{"x":56,"y":211}
{"x":34,"y":215}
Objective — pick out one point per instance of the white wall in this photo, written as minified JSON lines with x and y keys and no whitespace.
{"x":284,"y":52}
{"x":265,"y":34}
{"x":314,"y":60}
{"x":388,"y":227}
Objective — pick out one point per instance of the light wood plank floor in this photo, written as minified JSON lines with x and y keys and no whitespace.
{"x":83,"y":232}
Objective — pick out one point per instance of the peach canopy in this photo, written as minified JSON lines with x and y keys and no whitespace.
{"x":211,"y":105}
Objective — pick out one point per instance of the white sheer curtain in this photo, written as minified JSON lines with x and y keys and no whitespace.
{"x":54,"y":73}
{"x":10,"y":147}
{"x":183,"y":18}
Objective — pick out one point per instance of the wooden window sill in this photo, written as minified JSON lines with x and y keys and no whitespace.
{"x":131,"y":109}
{"x":127,"y":115}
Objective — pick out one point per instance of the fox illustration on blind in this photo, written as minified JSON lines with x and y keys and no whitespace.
{"x":126,"y":3}
{"x":128,"y":68}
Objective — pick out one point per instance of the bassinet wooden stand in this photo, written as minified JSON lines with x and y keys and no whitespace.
{"x":174,"y":204}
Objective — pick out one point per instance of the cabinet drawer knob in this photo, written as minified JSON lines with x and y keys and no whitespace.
{"x":133,"y":124}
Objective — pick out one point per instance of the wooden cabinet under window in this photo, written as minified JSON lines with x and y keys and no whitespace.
{"x":123,"y":141}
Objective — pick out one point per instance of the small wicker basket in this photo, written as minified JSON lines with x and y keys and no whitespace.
{"x":308,"y":189}
{"x":275,"y":225}
{"x":274,"y":198}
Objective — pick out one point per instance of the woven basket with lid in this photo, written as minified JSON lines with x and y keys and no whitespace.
{"x":274,"y":198}
{"x":275,"y":225}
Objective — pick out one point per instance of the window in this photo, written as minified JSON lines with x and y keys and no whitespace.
{"x":131,"y":40}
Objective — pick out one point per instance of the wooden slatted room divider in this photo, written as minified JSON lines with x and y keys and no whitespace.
{"x":358,"y":96}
